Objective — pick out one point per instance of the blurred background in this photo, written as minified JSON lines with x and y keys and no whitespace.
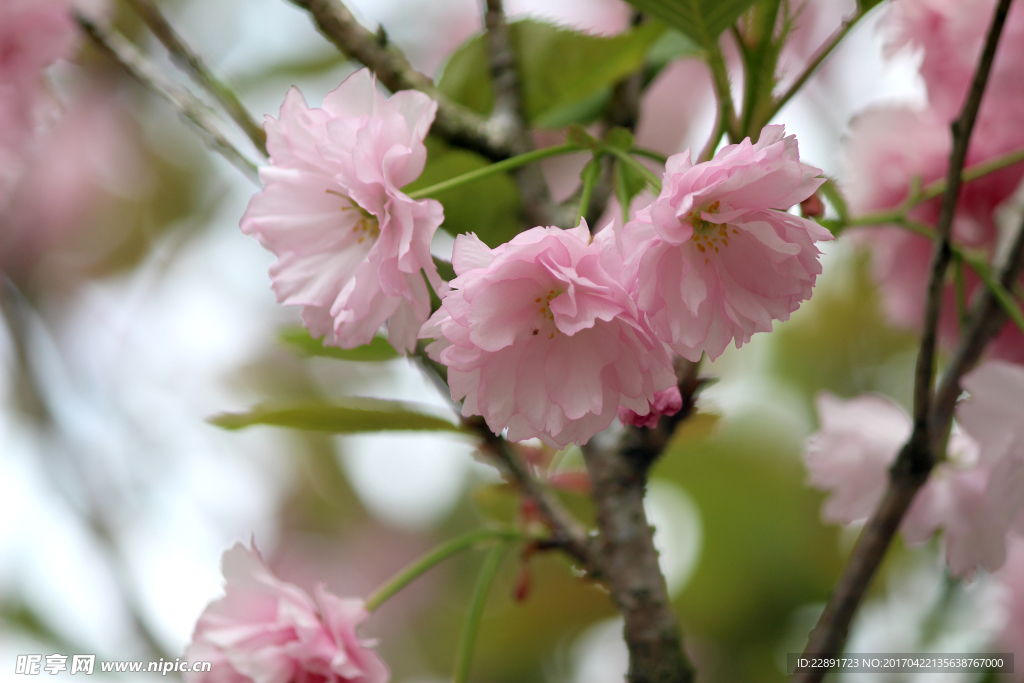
{"x":133,"y":309}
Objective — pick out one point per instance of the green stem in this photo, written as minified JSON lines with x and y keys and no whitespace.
{"x":936,"y":188}
{"x":625,"y":157}
{"x":491,"y":169}
{"x":649,"y":154}
{"x":979,"y":266}
{"x":816,"y":61}
{"x":467,"y":644}
{"x":589,"y":180}
{"x":723,"y":91}
{"x":439,"y":554}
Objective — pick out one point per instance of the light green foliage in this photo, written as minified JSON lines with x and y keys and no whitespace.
{"x":488,"y":207}
{"x":574,"y":92}
{"x":701,"y":20}
{"x":349,"y":417}
{"x":299,"y":339}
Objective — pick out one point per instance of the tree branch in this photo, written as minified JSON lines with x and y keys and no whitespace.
{"x":630,"y":564}
{"x":187,"y":105}
{"x":192,"y":64}
{"x":454,"y":123}
{"x":627,"y":553}
{"x":917,"y":457}
{"x":567,"y":532}
{"x":509,"y":116}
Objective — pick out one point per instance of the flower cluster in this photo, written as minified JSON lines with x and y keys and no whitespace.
{"x":975,"y":496}
{"x":266,"y":630}
{"x":554,"y":333}
{"x":889,"y":148}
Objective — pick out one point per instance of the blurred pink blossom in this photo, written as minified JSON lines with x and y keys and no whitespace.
{"x":541,"y":339}
{"x":1011,"y":576}
{"x":716,"y":258}
{"x":975,"y":496}
{"x":667,"y":402}
{"x":88,"y":158}
{"x":350,"y":244}
{"x":267,"y":631}
{"x":33,"y":35}
{"x":950,"y":34}
{"x":887,"y":150}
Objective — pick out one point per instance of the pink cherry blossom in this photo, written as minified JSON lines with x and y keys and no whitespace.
{"x":716,"y":258}
{"x":267,"y":631}
{"x":667,"y":402}
{"x":974,"y":497}
{"x":541,"y":339}
{"x":33,"y":35}
{"x":350,"y":244}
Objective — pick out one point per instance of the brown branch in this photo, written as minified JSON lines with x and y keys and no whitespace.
{"x":192,"y":64}
{"x":455,"y":123}
{"x":630,"y":563}
{"x":918,"y":455}
{"x":188,"y":106}
{"x":567,"y":532}
{"x":508,"y":119}
{"x":626,"y":544}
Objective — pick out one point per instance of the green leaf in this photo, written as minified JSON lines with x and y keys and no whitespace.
{"x":702,"y":20}
{"x":352,"y":416}
{"x":620,"y":138}
{"x":299,"y":339}
{"x":489,"y":207}
{"x":671,"y":46}
{"x":575,"y":92}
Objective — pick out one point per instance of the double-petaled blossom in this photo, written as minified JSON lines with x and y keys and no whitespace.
{"x":33,"y":35}
{"x":667,"y":402}
{"x":540,"y":338}
{"x":265,"y":630}
{"x":352,"y":248}
{"x":975,"y":496}
{"x":716,"y":257}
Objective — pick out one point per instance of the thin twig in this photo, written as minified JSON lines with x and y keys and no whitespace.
{"x":567,"y":532}
{"x":820,"y":55}
{"x":192,"y":64}
{"x":146,"y":73}
{"x":455,"y":123}
{"x":918,"y":455}
{"x":723,"y":93}
{"x":987,"y":318}
{"x":508,"y":118}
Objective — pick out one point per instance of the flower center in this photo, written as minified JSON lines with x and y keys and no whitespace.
{"x":366,"y":225}
{"x":545,"y":311}
{"x":708,"y":236}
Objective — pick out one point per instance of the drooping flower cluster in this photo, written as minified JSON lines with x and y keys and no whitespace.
{"x":554,"y":333}
{"x":352,"y":248}
{"x":888,"y":148}
{"x":975,"y":496}
{"x":268,"y":631}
